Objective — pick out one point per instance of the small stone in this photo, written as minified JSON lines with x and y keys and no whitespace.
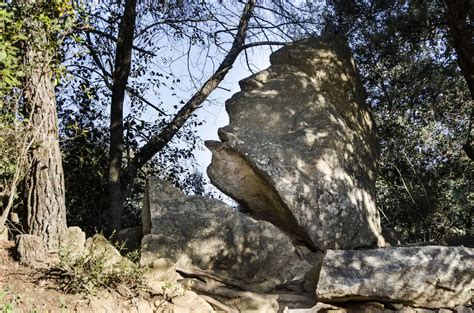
{"x":31,"y":250}
{"x":394,"y":306}
{"x":408,"y":309}
{"x":463,"y":309}
{"x":72,"y":242}
{"x":99,"y":247}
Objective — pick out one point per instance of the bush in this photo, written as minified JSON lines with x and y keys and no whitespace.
{"x":100,"y":266}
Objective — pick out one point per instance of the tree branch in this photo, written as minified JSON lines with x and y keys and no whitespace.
{"x":169,"y":22}
{"x":112,"y":38}
{"x":158,"y":142}
{"x":264,"y":43}
{"x":134,"y":93}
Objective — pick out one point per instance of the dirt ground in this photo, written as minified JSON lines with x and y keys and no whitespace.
{"x":24,"y":289}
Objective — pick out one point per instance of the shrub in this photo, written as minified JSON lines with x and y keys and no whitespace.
{"x":100,"y":266}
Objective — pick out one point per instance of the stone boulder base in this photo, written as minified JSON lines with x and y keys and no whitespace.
{"x":429,"y":277}
{"x":129,"y":239}
{"x":196,"y":231}
{"x":31,"y":250}
{"x":300,"y":151}
{"x":72,"y":242}
{"x":99,"y":248}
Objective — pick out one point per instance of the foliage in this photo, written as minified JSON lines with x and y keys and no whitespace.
{"x":7,"y":302}
{"x":11,"y":141}
{"x":11,"y":72}
{"x":10,"y":61}
{"x":422,"y":106}
{"x":93,"y":270}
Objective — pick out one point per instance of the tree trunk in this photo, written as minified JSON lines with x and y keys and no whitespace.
{"x":458,"y":13}
{"x":45,"y":193}
{"x":123,"y":59}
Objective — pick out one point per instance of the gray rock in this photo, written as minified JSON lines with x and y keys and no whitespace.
{"x":31,"y":250}
{"x":191,"y":302}
{"x":429,"y":277}
{"x":129,"y":239}
{"x":196,"y":231}
{"x":443,"y":310}
{"x":99,"y":248}
{"x":72,"y":242}
{"x":319,"y":307}
{"x":407,"y":309}
{"x":3,"y":233}
{"x":300,"y":151}
{"x":463,"y":309}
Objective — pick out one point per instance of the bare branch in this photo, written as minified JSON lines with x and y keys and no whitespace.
{"x":263,"y":43}
{"x":170,"y":22}
{"x":112,"y":38}
{"x":134,"y":93}
{"x":159,"y":141}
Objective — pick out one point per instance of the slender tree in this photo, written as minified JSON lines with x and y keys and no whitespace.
{"x":159,"y":141}
{"x":120,"y":183}
{"x":123,"y":61}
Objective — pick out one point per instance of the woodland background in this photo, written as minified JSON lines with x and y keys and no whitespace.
{"x":124,"y":114}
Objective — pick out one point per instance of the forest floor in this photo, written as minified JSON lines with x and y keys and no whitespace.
{"x":26,"y":289}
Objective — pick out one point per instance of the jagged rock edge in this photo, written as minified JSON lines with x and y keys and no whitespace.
{"x":298,"y":239}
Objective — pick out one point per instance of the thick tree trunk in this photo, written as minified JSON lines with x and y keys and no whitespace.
{"x":123,"y":59}
{"x":459,"y":13}
{"x":45,"y":200}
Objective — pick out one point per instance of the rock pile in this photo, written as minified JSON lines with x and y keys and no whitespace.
{"x":299,"y":156}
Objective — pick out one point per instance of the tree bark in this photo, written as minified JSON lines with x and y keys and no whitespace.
{"x":159,"y":141}
{"x":461,"y":33}
{"x":45,"y":205}
{"x":123,"y":59}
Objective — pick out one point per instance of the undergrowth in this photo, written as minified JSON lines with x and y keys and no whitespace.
{"x":97,"y":268}
{"x":7,"y":302}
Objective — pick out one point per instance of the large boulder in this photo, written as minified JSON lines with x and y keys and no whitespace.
{"x":300,"y":149}
{"x":204,"y":233}
{"x":429,"y":276}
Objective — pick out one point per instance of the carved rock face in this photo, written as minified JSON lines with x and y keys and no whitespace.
{"x":300,"y":151}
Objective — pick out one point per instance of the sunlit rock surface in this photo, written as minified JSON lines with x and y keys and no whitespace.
{"x":201,"y":232}
{"x":299,"y":151}
{"x":430,"y":276}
